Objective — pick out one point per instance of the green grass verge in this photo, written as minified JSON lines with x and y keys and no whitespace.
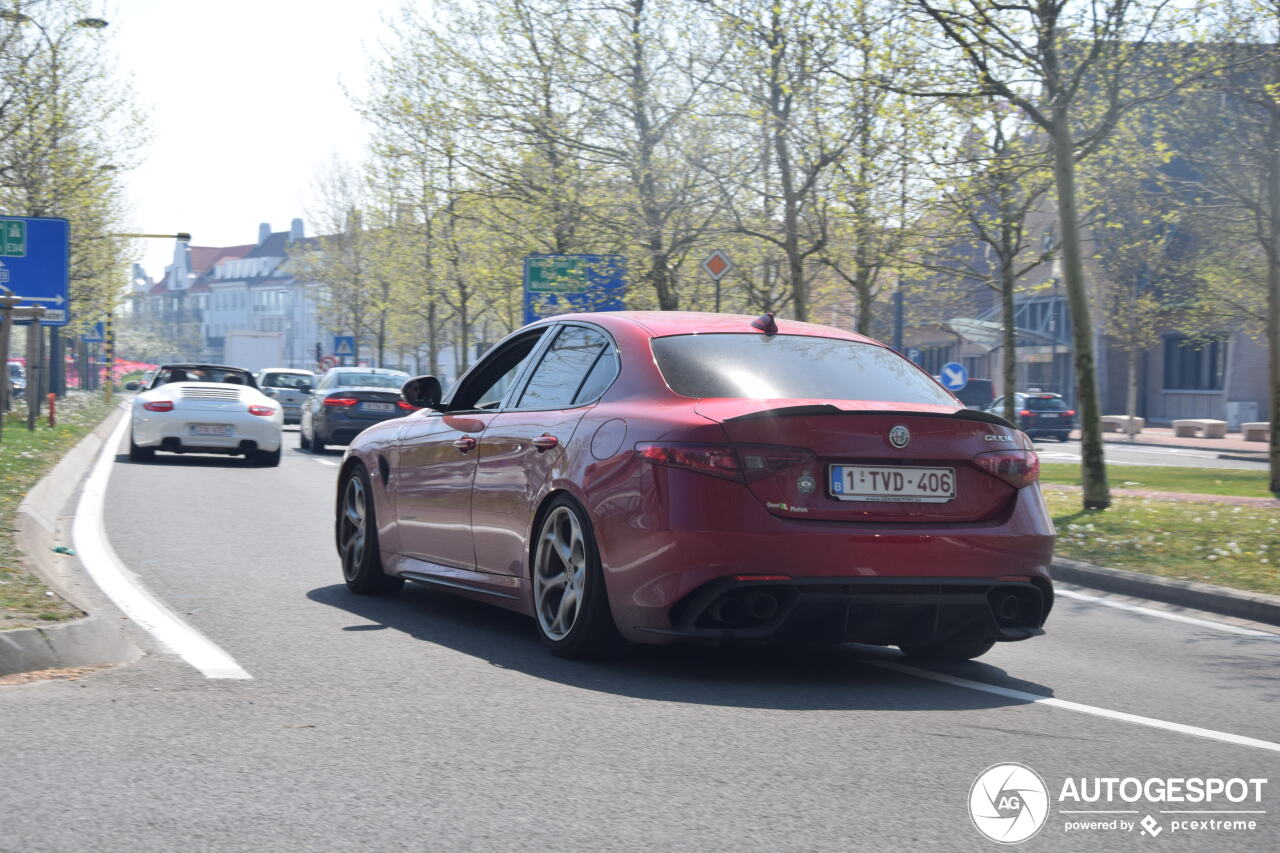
{"x":24,"y":459}
{"x":1222,"y":544}
{"x":1167,"y":478}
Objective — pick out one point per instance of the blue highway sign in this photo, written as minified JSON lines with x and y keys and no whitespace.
{"x":344,"y":346}
{"x":35,"y":263}
{"x":563,"y":284}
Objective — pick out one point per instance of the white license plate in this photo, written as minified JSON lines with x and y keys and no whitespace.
{"x":893,"y":483}
{"x":211,"y":429}
{"x":1048,"y":415}
{"x":378,"y":407}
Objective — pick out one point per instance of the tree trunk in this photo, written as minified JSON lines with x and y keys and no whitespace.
{"x":1131,"y":403}
{"x":1093,"y":466}
{"x":1009,"y":364}
{"x":1273,"y":290}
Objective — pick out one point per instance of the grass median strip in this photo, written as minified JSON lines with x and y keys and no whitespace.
{"x":1167,"y":478}
{"x":24,"y":459}
{"x":1233,"y":546}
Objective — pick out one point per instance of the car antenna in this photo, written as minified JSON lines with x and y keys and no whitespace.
{"x":766,"y":323}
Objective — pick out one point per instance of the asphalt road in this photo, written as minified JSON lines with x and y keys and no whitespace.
{"x":1119,"y":454}
{"x":428,"y":722}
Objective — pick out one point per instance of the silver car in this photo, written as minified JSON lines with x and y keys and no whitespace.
{"x":290,"y":387}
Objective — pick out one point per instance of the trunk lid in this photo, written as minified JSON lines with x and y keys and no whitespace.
{"x":856,"y":433}
{"x":210,"y":397}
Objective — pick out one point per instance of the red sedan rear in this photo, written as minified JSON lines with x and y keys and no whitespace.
{"x":661,"y":476}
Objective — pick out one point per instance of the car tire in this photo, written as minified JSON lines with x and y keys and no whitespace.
{"x":316,"y":445}
{"x":965,"y":646}
{"x":303,"y":441}
{"x":564,"y":529}
{"x":357,"y":531}
{"x":140,"y":454}
{"x":266,"y":458}
{"x":1064,"y":436}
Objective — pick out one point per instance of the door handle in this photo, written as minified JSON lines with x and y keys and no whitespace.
{"x":465,"y":443}
{"x":545,"y":442}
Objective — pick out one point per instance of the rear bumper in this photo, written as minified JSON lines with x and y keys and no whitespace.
{"x":902,"y":611}
{"x":337,"y":427}
{"x":172,"y":432}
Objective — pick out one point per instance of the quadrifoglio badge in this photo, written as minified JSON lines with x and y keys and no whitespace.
{"x":1010,"y":803}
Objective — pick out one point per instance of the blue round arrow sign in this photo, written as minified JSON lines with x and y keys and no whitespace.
{"x":954,"y":376}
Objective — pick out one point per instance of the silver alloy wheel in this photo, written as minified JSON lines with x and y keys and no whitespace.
{"x":353,"y":529}
{"x":560,"y":573}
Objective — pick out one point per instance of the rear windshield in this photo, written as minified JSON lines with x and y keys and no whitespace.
{"x":1045,"y":404}
{"x":791,"y":366}
{"x":288,"y":380}
{"x":371,"y":380}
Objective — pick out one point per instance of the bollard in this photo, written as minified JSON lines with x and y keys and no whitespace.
{"x":53,"y":405}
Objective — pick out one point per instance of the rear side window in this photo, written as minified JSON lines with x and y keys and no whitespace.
{"x":791,"y":366}
{"x":578,"y":362}
{"x":1046,"y":404}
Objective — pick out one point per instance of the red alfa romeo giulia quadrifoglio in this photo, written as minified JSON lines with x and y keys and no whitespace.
{"x":671,"y":476}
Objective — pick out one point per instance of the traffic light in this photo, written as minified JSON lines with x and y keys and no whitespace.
{"x":319,"y":352}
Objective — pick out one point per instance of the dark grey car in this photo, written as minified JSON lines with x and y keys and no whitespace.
{"x":290,"y":387}
{"x":347,"y":401}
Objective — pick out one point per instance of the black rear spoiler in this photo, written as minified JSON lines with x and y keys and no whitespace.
{"x":828,"y":409}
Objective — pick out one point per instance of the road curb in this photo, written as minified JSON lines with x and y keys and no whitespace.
{"x":1254,"y":606}
{"x":98,"y":638}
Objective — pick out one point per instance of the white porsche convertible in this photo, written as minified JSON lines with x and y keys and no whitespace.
{"x":206,"y":408}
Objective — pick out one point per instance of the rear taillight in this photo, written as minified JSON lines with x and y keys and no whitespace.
{"x":340,"y":401}
{"x":1024,"y":412}
{"x":158,"y":406}
{"x":1018,"y":468}
{"x":262,"y":411}
{"x":1071,"y":413}
{"x":741,"y":462}
{"x":408,"y":407}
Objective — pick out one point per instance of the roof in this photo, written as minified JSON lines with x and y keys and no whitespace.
{"x":272,"y":247}
{"x":662,"y":323}
{"x":352,"y":369}
{"x":198,"y":366}
{"x":203,"y":258}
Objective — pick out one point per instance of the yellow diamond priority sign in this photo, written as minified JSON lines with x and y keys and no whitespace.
{"x":717,"y":265}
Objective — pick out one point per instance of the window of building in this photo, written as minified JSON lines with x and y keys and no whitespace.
{"x":1194,"y":365}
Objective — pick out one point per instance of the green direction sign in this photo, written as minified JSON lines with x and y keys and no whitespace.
{"x":558,"y":274}
{"x":13,"y":238}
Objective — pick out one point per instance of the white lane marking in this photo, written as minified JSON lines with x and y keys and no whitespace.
{"x":325,"y":462}
{"x":1092,"y":710}
{"x":93,"y":547}
{"x":1164,"y":614}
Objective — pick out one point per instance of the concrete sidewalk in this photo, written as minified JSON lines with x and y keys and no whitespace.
{"x":1234,"y":443}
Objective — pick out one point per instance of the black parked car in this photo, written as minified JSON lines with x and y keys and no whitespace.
{"x":1040,"y":413}
{"x":347,"y":401}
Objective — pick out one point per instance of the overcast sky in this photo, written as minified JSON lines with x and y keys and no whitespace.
{"x":245,"y":101}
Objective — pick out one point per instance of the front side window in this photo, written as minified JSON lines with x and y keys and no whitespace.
{"x":488,"y":384}
{"x":570,"y":365}
{"x":755,"y":366}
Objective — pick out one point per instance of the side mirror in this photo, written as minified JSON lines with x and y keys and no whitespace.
{"x":304,"y":388}
{"x":132,"y":385}
{"x":423,"y":392}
